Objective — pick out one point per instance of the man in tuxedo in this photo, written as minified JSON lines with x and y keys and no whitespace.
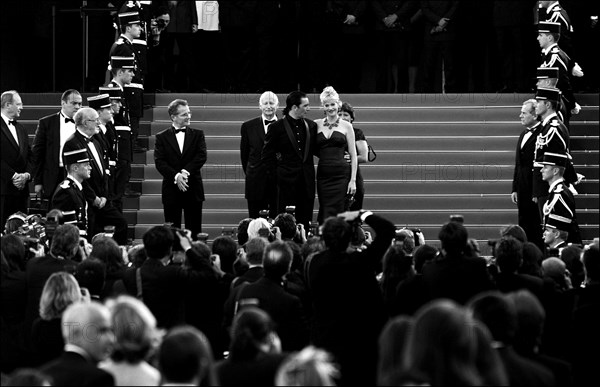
{"x":101,"y":211}
{"x":180,"y":153}
{"x":15,"y":158}
{"x":529,"y":215}
{"x":87,"y":332}
{"x":288,"y":157}
{"x":50,"y":137}
{"x":260,"y":191}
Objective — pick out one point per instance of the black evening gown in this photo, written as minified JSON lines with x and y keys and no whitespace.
{"x":333,"y":174}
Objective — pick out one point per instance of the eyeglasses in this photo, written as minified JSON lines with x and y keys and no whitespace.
{"x":97,"y":120}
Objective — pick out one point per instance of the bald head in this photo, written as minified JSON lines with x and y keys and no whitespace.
{"x":268,"y":104}
{"x":85,"y":120}
{"x":88,"y":326}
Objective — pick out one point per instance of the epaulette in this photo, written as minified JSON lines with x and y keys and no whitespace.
{"x":120,"y":41}
{"x":559,"y":188}
{"x":65,"y":184}
{"x":555,"y":50}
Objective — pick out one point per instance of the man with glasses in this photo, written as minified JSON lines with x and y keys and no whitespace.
{"x":101,"y":211}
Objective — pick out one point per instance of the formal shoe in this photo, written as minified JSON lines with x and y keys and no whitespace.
{"x":139,"y":149}
{"x":132,"y":194}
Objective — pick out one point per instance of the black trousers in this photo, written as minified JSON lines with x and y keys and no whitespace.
{"x":192,"y":210}
{"x":108,"y":215}
{"x":9,"y":204}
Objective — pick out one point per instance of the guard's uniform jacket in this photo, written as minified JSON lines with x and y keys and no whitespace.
{"x":561,"y":205}
{"x":69,"y":198}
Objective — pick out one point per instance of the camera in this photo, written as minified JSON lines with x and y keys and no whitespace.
{"x":202,"y":237}
{"x":161,"y":23}
{"x":314,"y":230}
{"x":109,"y":231}
{"x":290,"y":209}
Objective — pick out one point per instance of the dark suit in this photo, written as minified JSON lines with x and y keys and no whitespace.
{"x":260,"y":191}
{"x":72,"y":369}
{"x":15,"y":158}
{"x":529,"y":214}
{"x":291,"y":161}
{"x":97,"y":186}
{"x":46,"y":145}
{"x":169,"y":161}
{"x":285,"y":310}
{"x":162,"y":291}
{"x":348,"y":306}
{"x":457,"y":277}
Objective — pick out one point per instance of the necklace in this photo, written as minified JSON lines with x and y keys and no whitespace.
{"x":332,"y":125}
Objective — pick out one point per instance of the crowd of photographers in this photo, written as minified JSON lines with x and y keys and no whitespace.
{"x":269,"y":298}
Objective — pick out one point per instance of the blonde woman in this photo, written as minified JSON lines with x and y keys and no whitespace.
{"x":335,"y":178}
{"x":136,"y":337}
{"x":60,"y":291}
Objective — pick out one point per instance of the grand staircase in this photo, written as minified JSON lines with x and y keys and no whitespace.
{"x":437,"y":155}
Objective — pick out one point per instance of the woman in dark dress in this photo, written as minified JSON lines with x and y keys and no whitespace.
{"x":335,"y":178}
{"x":346,"y":113}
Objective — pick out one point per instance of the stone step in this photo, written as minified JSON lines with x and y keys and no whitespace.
{"x":371,"y":171}
{"x":380,"y":114}
{"x":404,"y":187}
{"x":379,"y":202}
{"x":419,"y":157}
{"x":420,"y":129}
{"x":251,"y":99}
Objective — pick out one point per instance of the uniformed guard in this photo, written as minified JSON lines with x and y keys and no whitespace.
{"x":107,"y":135}
{"x":553,"y":56}
{"x":69,"y":197}
{"x":554,"y":13}
{"x":560,"y":204}
{"x":132,"y":42}
{"x":122,"y":69}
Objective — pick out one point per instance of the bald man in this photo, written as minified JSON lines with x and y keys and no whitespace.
{"x":259,"y":192}
{"x":87,"y":332}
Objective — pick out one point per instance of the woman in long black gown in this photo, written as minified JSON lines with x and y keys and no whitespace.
{"x":335,"y":178}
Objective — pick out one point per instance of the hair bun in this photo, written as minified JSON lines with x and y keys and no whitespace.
{"x":329,"y":93}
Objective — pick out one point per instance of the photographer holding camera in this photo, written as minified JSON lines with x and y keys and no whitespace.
{"x":347,"y":303}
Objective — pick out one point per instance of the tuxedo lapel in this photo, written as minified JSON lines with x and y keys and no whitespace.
{"x":188,"y":140}
{"x":172,"y":140}
{"x":290,"y":134}
{"x":8,"y":134}
{"x":307,"y":145}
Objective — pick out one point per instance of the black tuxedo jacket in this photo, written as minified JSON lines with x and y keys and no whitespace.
{"x":524,"y":157}
{"x":170,"y":160}
{"x":294,"y":171}
{"x":251,"y":145}
{"x":46,"y":146}
{"x":72,"y":369}
{"x":14,"y":158}
{"x":97,"y":184}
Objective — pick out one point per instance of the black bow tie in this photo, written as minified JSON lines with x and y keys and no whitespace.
{"x":87,"y":139}
{"x":182,"y":130}
{"x":67,"y":120}
{"x":267,"y":122}
{"x":12,"y":122}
